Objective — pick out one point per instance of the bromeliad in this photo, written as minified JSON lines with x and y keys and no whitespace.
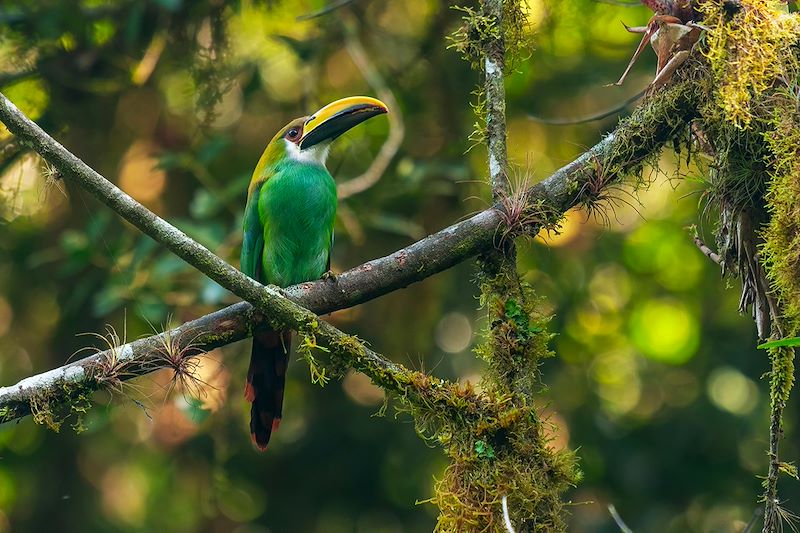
{"x":288,"y":233}
{"x":672,"y":32}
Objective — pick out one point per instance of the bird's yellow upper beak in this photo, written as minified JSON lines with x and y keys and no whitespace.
{"x":337,"y":117}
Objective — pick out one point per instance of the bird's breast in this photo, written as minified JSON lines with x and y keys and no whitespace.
{"x":298,"y":208}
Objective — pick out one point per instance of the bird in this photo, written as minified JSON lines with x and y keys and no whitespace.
{"x":288,"y":234}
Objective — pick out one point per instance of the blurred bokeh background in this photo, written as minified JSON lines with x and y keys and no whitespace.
{"x":657,"y":379}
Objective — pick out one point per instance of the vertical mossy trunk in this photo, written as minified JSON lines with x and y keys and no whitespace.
{"x":507,"y":458}
{"x":510,"y":456}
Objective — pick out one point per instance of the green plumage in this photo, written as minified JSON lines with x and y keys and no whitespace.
{"x":288,"y":225}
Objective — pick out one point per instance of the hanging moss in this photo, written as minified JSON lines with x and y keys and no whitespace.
{"x":781,"y":249}
{"x":481,"y":36}
{"x":751,"y":128}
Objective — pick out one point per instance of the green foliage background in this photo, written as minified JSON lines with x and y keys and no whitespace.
{"x":656,"y":379}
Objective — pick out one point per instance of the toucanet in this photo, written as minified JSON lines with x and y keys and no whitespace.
{"x":288,"y":234}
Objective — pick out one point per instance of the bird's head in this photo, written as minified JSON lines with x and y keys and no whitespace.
{"x":308,"y":139}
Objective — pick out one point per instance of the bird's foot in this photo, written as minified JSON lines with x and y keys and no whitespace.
{"x":329,"y":276}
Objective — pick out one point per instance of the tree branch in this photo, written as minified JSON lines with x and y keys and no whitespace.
{"x":620,"y":151}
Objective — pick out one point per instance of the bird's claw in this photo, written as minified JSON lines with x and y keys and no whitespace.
{"x":329,"y":276}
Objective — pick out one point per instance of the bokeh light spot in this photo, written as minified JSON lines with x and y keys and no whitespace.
{"x":610,"y":287}
{"x":569,"y":230}
{"x":124,"y":494}
{"x":21,"y":188}
{"x":453,"y":333}
{"x":29,"y":96}
{"x":242,"y":502}
{"x":618,"y":382}
{"x":140,"y":176}
{"x":361,"y":390}
{"x":8,"y":490}
{"x":665,"y":331}
{"x":731,"y":391}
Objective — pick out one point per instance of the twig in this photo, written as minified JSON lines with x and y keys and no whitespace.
{"x":590,"y":118}
{"x":618,"y":519}
{"x":373,"y":174}
{"x":332,"y":6}
{"x":772,"y":515}
{"x":708,"y":252}
{"x":506,"y":517}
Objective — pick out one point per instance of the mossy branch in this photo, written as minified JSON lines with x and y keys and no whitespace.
{"x":622,"y":151}
{"x":618,"y":153}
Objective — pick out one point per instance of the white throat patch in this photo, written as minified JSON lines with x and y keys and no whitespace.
{"x":317,"y":154}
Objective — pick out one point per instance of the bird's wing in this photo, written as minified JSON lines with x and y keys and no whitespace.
{"x":330,"y":249}
{"x":253,"y":242}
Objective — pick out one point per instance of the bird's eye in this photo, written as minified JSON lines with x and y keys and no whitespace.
{"x":293,"y":134}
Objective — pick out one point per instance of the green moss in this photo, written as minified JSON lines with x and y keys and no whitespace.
{"x":504,"y":450}
{"x":480,"y":36}
{"x":781,"y":374}
{"x":66,"y":401}
{"x":781,"y":248}
{"x":516,"y":341}
{"x":750,"y":126}
{"x":512,"y":460}
{"x":748,"y":52}
{"x":478,"y":29}
{"x":306,"y":348}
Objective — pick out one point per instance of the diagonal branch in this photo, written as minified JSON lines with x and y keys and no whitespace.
{"x":617,"y":154}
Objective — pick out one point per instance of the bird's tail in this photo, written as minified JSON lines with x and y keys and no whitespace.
{"x":266,"y":380}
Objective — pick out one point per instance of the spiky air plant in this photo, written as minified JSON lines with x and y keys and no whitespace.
{"x":113,"y":368}
{"x":73,"y":399}
{"x":180,"y":354}
{"x":52,"y":179}
{"x":782,"y":519}
{"x":600,"y":196}
{"x":520,"y":215}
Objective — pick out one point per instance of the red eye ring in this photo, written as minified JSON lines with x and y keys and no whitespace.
{"x":294,"y":133}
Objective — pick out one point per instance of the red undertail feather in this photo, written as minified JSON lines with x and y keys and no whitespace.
{"x":266,"y":380}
